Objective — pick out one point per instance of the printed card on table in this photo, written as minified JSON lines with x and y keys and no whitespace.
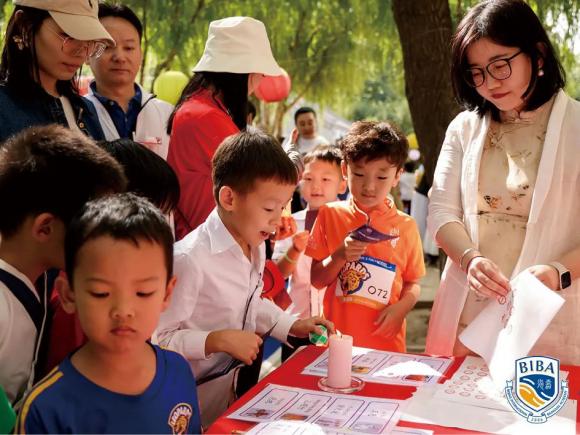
{"x":383,"y":367}
{"x":505,"y":332}
{"x":294,"y":410}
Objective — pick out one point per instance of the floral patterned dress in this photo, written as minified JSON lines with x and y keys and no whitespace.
{"x":507,"y":177}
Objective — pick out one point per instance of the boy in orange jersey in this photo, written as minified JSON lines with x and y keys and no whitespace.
{"x":374,"y":258}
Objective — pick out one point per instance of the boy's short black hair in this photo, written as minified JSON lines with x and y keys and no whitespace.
{"x":511,"y":23}
{"x":147,"y":173}
{"x":325,"y":153}
{"x":248,"y":156}
{"x":372,"y":140}
{"x":302,"y":111}
{"x":124,"y":216}
{"x":52,"y":169}
{"x":121,"y":11}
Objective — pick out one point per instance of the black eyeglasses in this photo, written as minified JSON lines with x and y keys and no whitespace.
{"x":499,"y":69}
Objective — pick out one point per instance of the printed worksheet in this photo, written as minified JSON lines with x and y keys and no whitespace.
{"x":384,"y":367}
{"x":506,"y":330}
{"x":471,"y":384}
{"x":319,"y":411}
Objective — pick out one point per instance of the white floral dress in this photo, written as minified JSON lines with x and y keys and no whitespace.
{"x":507,"y":177}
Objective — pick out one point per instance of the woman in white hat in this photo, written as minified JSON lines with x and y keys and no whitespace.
{"x":46,"y":43}
{"x":212,"y":107}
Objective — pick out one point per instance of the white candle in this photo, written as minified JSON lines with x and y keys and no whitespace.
{"x":339,"y":361}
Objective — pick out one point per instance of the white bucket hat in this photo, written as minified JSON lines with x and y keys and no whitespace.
{"x":77,"y":18}
{"x":238,"y":45}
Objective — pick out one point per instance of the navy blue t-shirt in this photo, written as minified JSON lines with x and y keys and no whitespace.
{"x":67,"y":402}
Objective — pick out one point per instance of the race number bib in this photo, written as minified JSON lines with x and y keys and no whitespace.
{"x":368,"y":281}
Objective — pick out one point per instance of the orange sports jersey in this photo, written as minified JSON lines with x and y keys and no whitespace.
{"x":365,"y":287}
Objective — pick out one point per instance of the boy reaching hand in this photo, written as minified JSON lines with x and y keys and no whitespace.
{"x":217,"y":318}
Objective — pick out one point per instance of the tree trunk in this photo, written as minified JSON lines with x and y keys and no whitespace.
{"x":425,"y":32}
{"x":281,"y":109}
{"x":265,"y":117}
{"x":145,"y":47}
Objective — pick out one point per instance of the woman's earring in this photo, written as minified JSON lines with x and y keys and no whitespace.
{"x":540,"y":72}
{"x":19,"y":42}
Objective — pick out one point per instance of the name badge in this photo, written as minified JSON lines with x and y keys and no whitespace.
{"x":368,"y":281}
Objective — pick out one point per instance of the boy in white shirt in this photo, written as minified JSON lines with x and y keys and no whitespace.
{"x":321,"y":182}
{"x":217,"y":317}
{"x":47,"y":173}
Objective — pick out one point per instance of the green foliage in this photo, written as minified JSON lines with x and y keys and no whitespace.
{"x":341,"y":53}
{"x":383,"y":96}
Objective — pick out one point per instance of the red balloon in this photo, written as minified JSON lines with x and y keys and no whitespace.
{"x":274,"y":88}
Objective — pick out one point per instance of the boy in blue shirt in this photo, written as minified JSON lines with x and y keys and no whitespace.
{"x":119,"y":267}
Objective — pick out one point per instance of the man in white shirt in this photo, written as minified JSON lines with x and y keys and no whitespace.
{"x":124,"y":108}
{"x":306,"y":125}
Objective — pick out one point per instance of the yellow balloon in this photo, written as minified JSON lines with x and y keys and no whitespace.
{"x":169,"y":85}
{"x":412,"y":139}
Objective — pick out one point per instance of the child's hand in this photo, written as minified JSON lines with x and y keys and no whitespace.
{"x":390,"y":320}
{"x":294,"y":136}
{"x":301,"y":328}
{"x":352,"y":249}
{"x":300,"y":240}
{"x":241,"y":345}
{"x":286,"y":228}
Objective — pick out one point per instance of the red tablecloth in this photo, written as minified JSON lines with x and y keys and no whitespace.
{"x":289,"y":374}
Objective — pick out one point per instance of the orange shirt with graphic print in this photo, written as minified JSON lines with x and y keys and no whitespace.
{"x":352,"y":312}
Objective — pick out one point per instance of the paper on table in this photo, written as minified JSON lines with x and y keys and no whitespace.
{"x":383,"y":367}
{"x":282,"y":427}
{"x":425,"y":409}
{"x":472,"y":385}
{"x":401,"y":430}
{"x":334,"y":413}
{"x":504,"y":333}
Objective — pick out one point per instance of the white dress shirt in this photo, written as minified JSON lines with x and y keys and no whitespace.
{"x":217,"y":288}
{"x":17,"y":339}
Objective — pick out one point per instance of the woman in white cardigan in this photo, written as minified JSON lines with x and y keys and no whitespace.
{"x":506,"y":191}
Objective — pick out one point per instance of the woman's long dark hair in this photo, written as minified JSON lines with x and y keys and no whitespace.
{"x":19,"y":68}
{"x":231,"y":88}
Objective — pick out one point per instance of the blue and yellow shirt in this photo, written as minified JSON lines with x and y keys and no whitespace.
{"x":67,"y":402}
